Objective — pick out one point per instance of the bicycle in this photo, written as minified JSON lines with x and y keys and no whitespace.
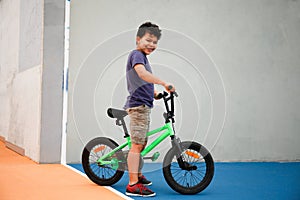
{"x":188,"y":166}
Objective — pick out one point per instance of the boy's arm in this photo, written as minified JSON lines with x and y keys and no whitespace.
{"x":150,"y":78}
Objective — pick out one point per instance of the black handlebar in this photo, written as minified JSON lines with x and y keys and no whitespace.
{"x":165,"y":94}
{"x":169,"y":115}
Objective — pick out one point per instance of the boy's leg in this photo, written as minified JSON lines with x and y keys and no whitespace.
{"x":140,"y":168}
{"x":133,"y":161}
{"x":139,"y":126}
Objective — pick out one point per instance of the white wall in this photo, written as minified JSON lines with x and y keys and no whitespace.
{"x":9,"y":16}
{"x":21,"y":70}
{"x":235,"y":65}
{"x":24,"y":123}
{"x":31,"y":71}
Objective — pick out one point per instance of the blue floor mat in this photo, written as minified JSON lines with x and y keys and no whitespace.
{"x":251,"y":180}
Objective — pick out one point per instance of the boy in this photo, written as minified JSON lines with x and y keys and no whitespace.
{"x":140,"y":85}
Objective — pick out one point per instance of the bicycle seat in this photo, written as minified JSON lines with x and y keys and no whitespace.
{"x":115,"y":113}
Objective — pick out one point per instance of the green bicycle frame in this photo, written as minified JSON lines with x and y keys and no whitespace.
{"x":168,"y":132}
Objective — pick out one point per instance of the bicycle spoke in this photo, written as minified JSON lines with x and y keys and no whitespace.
{"x":196,"y":171}
{"x":103,"y":172}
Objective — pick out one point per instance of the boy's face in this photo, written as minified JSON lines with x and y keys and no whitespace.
{"x":147,"y":44}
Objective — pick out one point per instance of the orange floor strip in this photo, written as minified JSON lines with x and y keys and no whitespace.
{"x":21,"y":178}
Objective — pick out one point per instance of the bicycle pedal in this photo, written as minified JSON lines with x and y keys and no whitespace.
{"x":155,"y":156}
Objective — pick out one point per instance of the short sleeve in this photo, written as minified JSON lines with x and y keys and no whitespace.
{"x":137,"y":58}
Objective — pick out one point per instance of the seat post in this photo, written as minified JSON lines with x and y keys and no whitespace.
{"x":121,"y":122}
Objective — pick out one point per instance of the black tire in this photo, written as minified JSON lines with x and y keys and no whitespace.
{"x":103,"y":175}
{"x":197,"y":178}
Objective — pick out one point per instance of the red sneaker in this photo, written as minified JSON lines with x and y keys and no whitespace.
{"x":139,"y":189}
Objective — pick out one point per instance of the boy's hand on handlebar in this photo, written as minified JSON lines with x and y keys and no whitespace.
{"x":169,"y":87}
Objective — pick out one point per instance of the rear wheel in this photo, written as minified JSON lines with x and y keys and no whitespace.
{"x":197,"y":173}
{"x":102,"y":174}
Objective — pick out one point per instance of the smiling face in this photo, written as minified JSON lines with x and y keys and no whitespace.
{"x":146,"y":44}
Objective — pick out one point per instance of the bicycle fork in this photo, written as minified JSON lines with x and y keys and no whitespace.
{"x":179,"y":155}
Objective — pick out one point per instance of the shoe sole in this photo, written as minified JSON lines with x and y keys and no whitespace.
{"x":140,"y":195}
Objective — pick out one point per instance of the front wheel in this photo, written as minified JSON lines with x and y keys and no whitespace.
{"x":195,"y":172}
{"x":101,"y":174}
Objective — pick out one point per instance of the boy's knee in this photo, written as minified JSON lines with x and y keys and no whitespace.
{"x":137,"y":148}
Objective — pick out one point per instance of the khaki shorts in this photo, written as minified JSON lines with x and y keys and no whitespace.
{"x":139,"y":123}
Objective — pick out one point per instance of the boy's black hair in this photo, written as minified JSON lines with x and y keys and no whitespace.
{"x":150,"y":28}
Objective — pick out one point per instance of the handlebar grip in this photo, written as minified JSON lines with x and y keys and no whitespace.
{"x":159,"y":96}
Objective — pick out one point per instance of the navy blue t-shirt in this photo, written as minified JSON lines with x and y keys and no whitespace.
{"x":140,"y":91}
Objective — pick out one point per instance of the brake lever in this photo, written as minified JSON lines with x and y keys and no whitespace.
{"x":175,"y":93}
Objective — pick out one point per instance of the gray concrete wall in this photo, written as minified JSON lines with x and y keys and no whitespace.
{"x":52,"y":85}
{"x":31,"y":64}
{"x":235,"y":65}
